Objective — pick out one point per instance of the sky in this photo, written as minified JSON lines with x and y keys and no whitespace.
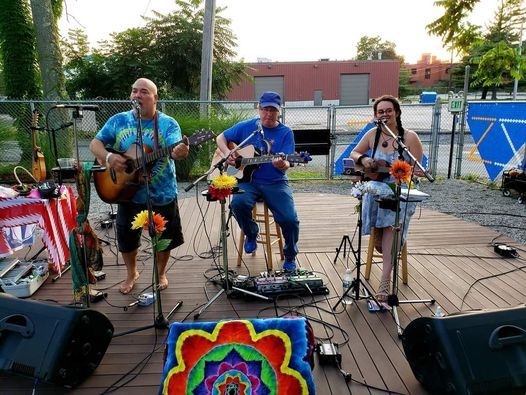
{"x":290,"y":30}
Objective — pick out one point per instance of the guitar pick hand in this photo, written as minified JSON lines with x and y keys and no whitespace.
{"x":117,"y":162}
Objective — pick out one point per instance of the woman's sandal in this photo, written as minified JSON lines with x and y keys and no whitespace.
{"x":383,"y":291}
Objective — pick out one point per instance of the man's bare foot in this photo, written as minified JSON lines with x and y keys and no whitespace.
{"x":128,"y":284}
{"x":163,"y":282}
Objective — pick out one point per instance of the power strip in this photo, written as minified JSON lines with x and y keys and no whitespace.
{"x":329,"y":354}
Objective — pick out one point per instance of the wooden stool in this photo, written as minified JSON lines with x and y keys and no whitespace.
{"x":262,"y":215}
{"x":371,"y":254}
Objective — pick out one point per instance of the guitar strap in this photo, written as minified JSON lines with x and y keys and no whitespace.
{"x":376,"y":139}
{"x":155,"y":131}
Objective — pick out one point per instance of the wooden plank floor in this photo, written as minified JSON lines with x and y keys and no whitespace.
{"x":446,"y":257}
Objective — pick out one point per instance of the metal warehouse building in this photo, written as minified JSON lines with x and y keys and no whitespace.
{"x":321,"y":82}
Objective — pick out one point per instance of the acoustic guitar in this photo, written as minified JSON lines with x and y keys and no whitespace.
{"x":38,"y":162}
{"x":378,"y":172}
{"x":119,"y":186}
{"x":248,"y":159}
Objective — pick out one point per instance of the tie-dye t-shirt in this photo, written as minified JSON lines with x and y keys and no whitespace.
{"x":120,"y":132}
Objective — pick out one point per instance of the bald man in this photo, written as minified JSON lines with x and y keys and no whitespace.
{"x":120,"y":133}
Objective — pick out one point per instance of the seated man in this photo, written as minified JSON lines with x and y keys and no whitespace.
{"x":268,"y":181}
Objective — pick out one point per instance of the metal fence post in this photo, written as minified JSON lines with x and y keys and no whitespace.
{"x":435,"y":137}
{"x":331,"y":123}
{"x":460,"y":147}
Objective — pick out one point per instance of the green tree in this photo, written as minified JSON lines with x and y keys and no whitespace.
{"x":405,"y":88}
{"x":87,"y":74}
{"x":17,"y":47}
{"x":491,"y":54}
{"x":167,"y":49}
{"x":494,"y":58}
{"x":48,"y":48}
{"x":370,"y":48}
{"x":497,"y":66}
{"x":2,"y":82}
{"x":456,"y":33}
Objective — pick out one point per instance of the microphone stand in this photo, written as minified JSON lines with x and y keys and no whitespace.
{"x":224,"y":232}
{"x":403,"y":148}
{"x":160,"y":321}
{"x":357,"y":282}
{"x":392,"y":299}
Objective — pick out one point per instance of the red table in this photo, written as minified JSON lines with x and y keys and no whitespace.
{"x":56,"y":217}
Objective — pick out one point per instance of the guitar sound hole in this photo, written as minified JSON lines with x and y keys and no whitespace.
{"x":130,"y":168}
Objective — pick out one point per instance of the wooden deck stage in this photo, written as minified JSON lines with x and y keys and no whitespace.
{"x":446,"y":256}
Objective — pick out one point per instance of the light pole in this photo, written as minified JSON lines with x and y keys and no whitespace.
{"x":516,"y":82}
{"x":207,"y":56}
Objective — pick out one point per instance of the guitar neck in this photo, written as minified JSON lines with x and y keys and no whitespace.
{"x":34,"y":124}
{"x":195,"y":139}
{"x":158,"y":154}
{"x":265,"y":159}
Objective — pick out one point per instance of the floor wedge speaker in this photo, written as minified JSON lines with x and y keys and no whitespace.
{"x":56,"y":344}
{"x":482,"y":352}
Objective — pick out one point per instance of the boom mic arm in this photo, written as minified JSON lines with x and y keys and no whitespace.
{"x":87,"y":107}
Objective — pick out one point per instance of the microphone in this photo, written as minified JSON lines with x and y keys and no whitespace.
{"x":135,"y":104}
{"x":88,"y":107}
{"x":260,"y":128}
{"x":378,"y":121}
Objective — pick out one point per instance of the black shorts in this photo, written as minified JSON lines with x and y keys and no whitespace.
{"x":129,"y":240}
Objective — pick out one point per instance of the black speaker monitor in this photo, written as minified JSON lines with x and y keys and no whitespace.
{"x":56,"y":344}
{"x":480,"y":352}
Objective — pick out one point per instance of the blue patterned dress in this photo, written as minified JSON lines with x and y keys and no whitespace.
{"x":372,"y":213}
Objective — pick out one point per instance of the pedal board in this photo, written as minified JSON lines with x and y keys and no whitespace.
{"x":300,"y":282}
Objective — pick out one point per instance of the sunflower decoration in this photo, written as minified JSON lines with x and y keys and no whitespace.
{"x":222,"y":186}
{"x":401,"y":171}
{"x":159,"y":223}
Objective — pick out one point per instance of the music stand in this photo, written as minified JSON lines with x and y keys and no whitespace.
{"x":226,"y":287}
{"x":392,"y":299}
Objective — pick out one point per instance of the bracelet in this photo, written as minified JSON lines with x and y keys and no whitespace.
{"x":360,"y":158}
{"x":108,"y":156}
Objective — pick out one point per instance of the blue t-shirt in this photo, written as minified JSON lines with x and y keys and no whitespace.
{"x":120,"y":132}
{"x":280,"y":138}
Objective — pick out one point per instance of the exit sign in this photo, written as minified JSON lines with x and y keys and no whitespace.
{"x":456,"y":104}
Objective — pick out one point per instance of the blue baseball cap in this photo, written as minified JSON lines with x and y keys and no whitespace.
{"x":270,"y":99}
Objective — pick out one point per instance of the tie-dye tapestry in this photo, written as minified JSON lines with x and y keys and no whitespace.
{"x":258,"y":356}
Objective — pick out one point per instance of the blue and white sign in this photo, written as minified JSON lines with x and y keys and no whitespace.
{"x":499,"y":133}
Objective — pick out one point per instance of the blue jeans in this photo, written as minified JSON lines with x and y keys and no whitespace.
{"x":278,"y":197}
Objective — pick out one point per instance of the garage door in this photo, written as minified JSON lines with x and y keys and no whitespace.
{"x":354,"y":89}
{"x":274,"y":84}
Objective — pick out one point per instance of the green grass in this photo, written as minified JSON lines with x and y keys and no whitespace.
{"x":480,"y":180}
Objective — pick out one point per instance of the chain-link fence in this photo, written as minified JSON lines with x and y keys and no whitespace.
{"x":64,"y":132}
